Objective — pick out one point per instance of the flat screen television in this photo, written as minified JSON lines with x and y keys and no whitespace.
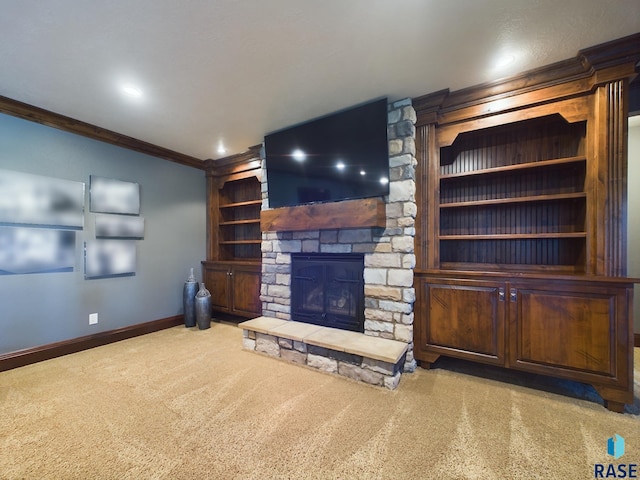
{"x":340,"y":156}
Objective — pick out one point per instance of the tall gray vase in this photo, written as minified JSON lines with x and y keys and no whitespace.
{"x":189,"y":300}
{"x":203,"y":308}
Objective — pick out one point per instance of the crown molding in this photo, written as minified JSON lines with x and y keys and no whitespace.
{"x":68,"y":124}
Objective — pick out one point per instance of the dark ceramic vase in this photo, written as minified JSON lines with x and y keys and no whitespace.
{"x":189,"y":300}
{"x":203,"y":308}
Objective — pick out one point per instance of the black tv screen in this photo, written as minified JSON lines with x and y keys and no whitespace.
{"x":337,"y":157}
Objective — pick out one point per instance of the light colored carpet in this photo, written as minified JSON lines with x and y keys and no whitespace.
{"x":189,"y":404}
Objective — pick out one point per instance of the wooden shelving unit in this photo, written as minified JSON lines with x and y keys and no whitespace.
{"x":521,"y":228}
{"x":503,"y":200}
{"x":232,"y":271}
{"x":239,"y":234}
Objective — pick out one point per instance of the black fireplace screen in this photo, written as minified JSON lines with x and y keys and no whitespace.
{"x":328,"y":290}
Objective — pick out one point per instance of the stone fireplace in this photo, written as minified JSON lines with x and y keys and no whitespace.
{"x":387,"y":256}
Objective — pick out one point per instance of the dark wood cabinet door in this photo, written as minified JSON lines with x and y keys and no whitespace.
{"x":572,"y":331}
{"x":234,"y":287}
{"x":245,"y":287}
{"x":464,"y":319}
{"x":217,"y":281}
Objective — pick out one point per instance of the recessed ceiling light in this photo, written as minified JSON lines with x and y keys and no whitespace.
{"x":221,"y":148}
{"x":505,"y":60}
{"x":132,"y":91}
{"x":340,"y":165}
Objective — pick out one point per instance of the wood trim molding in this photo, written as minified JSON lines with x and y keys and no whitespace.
{"x":636,"y":340}
{"x":28,"y":356}
{"x":219,"y":181}
{"x":68,"y":124}
{"x":368,"y":212}
{"x":240,"y":162}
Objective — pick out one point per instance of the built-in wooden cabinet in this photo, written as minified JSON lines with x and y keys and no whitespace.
{"x":565,"y":326}
{"x":464,"y":318}
{"x":521,"y":226}
{"x":233,"y":287}
{"x":572,"y":328}
{"x":232,"y":270}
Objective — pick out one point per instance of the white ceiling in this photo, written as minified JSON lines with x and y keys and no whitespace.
{"x":232,"y":70}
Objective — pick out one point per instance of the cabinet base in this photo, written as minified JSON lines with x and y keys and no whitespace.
{"x":617,"y":407}
{"x":613,"y":399}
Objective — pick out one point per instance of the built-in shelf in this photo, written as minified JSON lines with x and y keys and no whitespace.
{"x":504,"y":201}
{"x":519,"y":166}
{"x":514,"y":236}
{"x":241,"y":204}
{"x":238,"y":218}
{"x":240,"y":222}
{"x":516,"y":268}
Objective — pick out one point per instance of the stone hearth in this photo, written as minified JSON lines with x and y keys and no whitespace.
{"x":389,"y":256}
{"x":373,"y":360}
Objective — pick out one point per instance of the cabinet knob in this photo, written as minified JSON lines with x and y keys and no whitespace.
{"x":501,"y":294}
{"x":513,"y":295}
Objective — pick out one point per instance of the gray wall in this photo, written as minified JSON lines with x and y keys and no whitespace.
{"x":633,"y":225}
{"x":38,"y":309}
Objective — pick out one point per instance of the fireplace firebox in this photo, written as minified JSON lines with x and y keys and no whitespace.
{"x":328,"y":289}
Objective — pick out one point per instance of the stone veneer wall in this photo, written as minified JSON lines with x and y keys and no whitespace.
{"x":389,"y":256}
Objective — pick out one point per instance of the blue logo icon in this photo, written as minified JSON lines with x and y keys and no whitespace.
{"x":615,"y":446}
